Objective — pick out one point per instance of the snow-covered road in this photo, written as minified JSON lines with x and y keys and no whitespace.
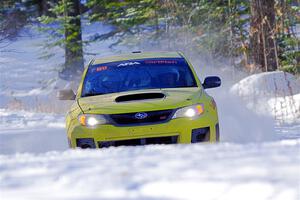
{"x":222,"y":171}
{"x":22,"y":131}
{"x":36,"y":164}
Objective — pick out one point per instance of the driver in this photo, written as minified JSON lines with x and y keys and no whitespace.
{"x":170,"y":79}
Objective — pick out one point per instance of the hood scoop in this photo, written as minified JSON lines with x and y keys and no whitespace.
{"x":140,"y":96}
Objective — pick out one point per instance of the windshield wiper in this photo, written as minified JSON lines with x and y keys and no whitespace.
{"x":92,"y":94}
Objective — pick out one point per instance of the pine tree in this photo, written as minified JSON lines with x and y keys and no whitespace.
{"x":73,"y":40}
{"x":66,"y":33}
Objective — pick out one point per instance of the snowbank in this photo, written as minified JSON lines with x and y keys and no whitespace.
{"x":276,"y":93}
{"x":278,"y":83}
{"x":286,"y":108}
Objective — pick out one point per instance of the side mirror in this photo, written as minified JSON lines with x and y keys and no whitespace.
{"x":211,"y":82}
{"x":66,"y":95}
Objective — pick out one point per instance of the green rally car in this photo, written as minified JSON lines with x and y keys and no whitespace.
{"x":139,"y":99}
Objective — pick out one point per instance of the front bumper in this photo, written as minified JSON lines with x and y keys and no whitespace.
{"x":183,"y":129}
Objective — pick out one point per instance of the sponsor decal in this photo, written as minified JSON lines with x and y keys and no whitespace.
{"x":160,"y":62}
{"x":101,"y":68}
{"x":128,"y":64}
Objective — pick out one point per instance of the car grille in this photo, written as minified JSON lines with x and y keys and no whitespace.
{"x":143,"y":141}
{"x":152,"y":117}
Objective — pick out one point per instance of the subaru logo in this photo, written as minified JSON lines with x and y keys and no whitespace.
{"x":141,"y":115}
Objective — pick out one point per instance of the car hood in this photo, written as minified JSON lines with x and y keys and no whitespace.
{"x":173,"y":98}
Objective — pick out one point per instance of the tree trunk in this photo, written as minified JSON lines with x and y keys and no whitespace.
{"x":263,"y":48}
{"x":43,"y":7}
{"x":73,"y":39}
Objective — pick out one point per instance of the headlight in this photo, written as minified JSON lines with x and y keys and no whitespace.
{"x":90,"y":120}
{"x":193,"y":111}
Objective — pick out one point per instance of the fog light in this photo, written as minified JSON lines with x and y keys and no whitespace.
{"x":200,"y":135}
{"x":85,"y":143}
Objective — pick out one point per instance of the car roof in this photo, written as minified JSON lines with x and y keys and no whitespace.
{"x":137,"y":55}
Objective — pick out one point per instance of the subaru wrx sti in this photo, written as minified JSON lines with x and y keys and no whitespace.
{"x":140,"y":99}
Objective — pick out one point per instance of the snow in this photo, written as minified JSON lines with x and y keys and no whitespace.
{"x":223,"y":171}
{"x":276,"y":83}
{"x":23,"y":131}
{"x":251,"y":162}
{"x":24,"y":119}
{"x":27,"y":77}
{"x":272,"y":93}
{"x":258,"y":157}
{"x":286,"y":108}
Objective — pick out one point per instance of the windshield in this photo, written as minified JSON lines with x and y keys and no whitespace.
{"x":136,"y":75}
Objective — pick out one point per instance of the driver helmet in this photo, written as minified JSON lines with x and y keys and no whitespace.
{"x":174,"y":73}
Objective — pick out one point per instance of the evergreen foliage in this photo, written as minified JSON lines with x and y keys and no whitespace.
{"x":64,"y":25}
{"x":218,"y":29}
